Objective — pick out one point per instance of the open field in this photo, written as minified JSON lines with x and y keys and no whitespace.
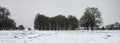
{"x":80,"y":36}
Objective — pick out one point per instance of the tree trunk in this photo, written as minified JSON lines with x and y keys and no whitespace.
{"x":87,"y":28}
{"x":91,"y":28}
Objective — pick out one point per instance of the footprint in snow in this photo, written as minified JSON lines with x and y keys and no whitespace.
{"x":107,"y":36}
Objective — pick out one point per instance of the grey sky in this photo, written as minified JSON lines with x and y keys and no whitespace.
{"x":24,"y":11}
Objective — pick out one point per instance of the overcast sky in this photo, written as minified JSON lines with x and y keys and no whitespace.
{"x":24,"y":11}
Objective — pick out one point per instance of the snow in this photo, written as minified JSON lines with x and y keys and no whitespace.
{"x":78,"y":36}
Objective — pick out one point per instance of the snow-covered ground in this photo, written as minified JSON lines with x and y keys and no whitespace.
{"x":80,"y":36}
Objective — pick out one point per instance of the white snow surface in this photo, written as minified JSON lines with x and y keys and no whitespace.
{"x":79,"y":36}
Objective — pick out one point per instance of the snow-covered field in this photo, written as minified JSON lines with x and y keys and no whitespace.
{"x":80,"y":36}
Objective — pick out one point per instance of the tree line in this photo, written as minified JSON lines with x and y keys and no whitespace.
{"x":90,"y":20}
{"x":59,"y":22}
{"x":6,"y":23}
